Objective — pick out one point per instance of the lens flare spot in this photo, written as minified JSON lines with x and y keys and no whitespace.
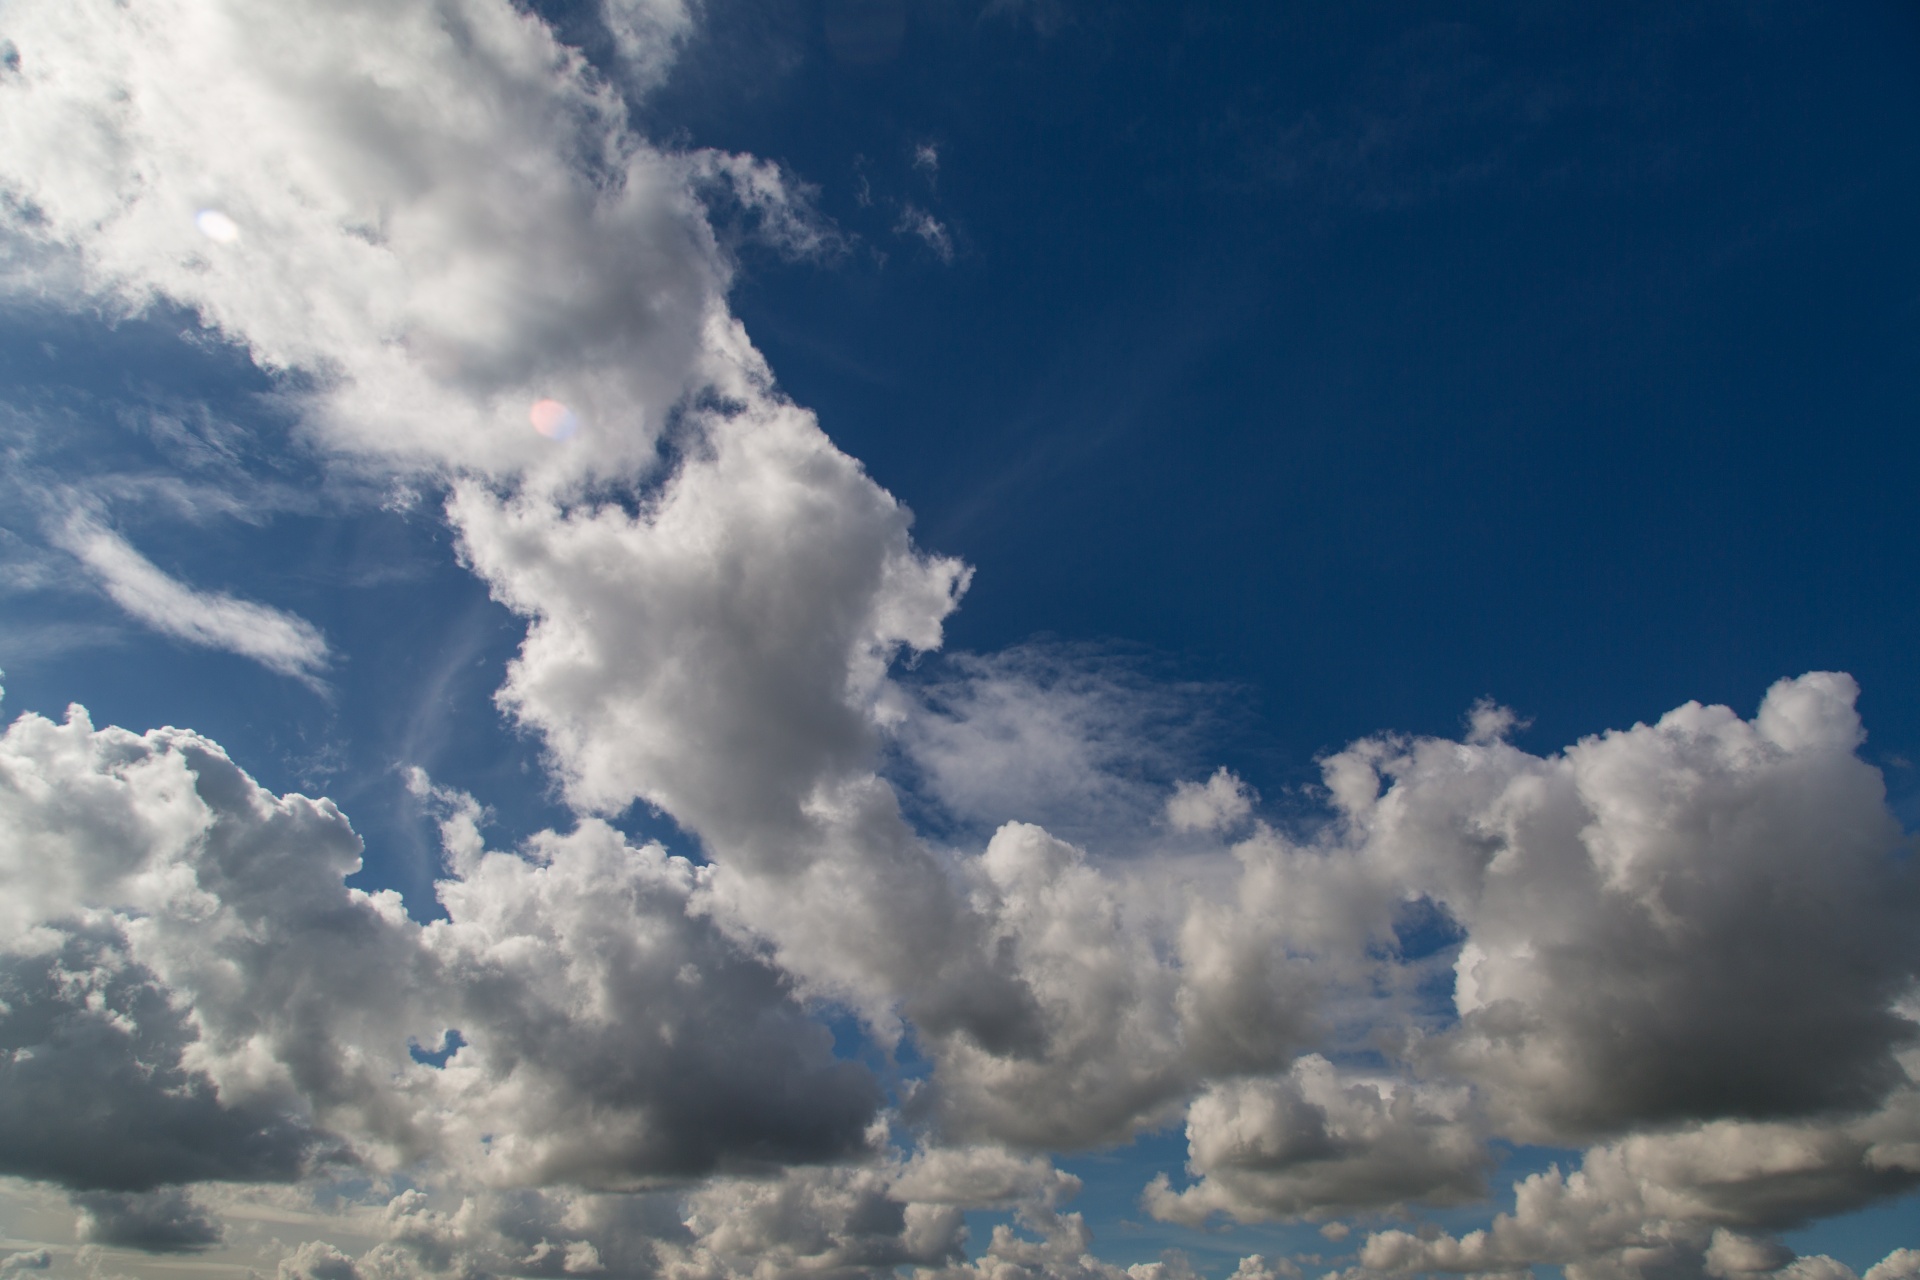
{"x":553,"y":420}
{"x":217,"y":226}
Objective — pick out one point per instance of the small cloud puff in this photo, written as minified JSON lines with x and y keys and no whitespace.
{"x":915,"y":221}
{"x":1221,"y":803}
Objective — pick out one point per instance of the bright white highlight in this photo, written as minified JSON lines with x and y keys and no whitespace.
{"x":217,"y":226}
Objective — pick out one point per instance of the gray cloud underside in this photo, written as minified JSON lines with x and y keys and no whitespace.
{"x":1688,"y":946}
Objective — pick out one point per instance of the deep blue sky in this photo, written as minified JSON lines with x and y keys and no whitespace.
{"x":1366,"y":359}
{"x":1379,"y":357}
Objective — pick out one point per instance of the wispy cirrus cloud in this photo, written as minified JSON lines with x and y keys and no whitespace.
{"x":278,"y":640}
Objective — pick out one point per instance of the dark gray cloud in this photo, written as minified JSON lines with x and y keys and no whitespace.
{"x":1319,"y":1139}
{"x":162,"y":1221}
{"x":192,"y":993}
{"x":93,"y":1091}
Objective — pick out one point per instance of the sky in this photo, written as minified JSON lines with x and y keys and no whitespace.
{"x":972,"y":639}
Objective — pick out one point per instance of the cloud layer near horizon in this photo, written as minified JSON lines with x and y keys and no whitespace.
{"x":1688,"y":946}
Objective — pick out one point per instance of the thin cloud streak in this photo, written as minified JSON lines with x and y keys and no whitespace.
{"x":279,"y":641}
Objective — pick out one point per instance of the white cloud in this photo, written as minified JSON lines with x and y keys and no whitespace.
{"x":1110,"y":1062}
{"x":1071,"y":738}
{"x":1220,"y":803}
{"x":1901,"y":1264}
{"x":196,"y":970}
{"x":440,"y":217}
{"x":648,"y":35}
{"x":719,"y":655}
{"x":1696,"y":933}
{"x":1690,"y":1199}
{"x":915,"y":221}
{"x":1693,"y":919}
{"x":277,"y":640}
{"x":1683,"y":942}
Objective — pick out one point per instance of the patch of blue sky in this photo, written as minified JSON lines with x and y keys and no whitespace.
{"x":1579,"y":389}
{"x":1863,"y":1237}
{"x":1453,"y":419}
{"x":173,"y":438}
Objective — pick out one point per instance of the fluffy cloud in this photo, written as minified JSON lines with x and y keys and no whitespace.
{"x":1111,"y":1062}
{"x":138,"y":868}
{"x":433,"y":213}
{"x":1220,"y":803}
{"x":1686,"y":1200}
{"x":613,"y":1034}
{"x":1696,"y":932}
{"x":1686,"y":943}
{"x":165,"y":1221}
{"x":1698,"y":918}
{"x":719,"y":655}
{"x":97,"y":1092}
{"x":200,"y":996}
{"x":1317,"y":1139}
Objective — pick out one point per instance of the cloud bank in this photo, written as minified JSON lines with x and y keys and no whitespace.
{"x":1688,"y":947}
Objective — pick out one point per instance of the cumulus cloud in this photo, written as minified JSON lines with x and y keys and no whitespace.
{"x":1111,"y":1062}
{"x":1898,"y":1265}
{"x":1699,"y":1199}
{"x":275,"y":639}
{"x":1689,"y":932}
{"x":1318,"y":1139}
{"x":317,"y":1260}
{"x":433,"y":213}
{"x":97,"y":1087}
{"x":1685,"y":944}
{"x":163,"y":1221}
{"x":719,"y":655}
{"x":1218,"y":804}
{"x":196,"y":994}
{"x":612,"y":1034}
{"x":1647,"y":913}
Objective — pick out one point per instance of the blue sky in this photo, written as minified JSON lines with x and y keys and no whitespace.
{"x":1278,"y":393}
